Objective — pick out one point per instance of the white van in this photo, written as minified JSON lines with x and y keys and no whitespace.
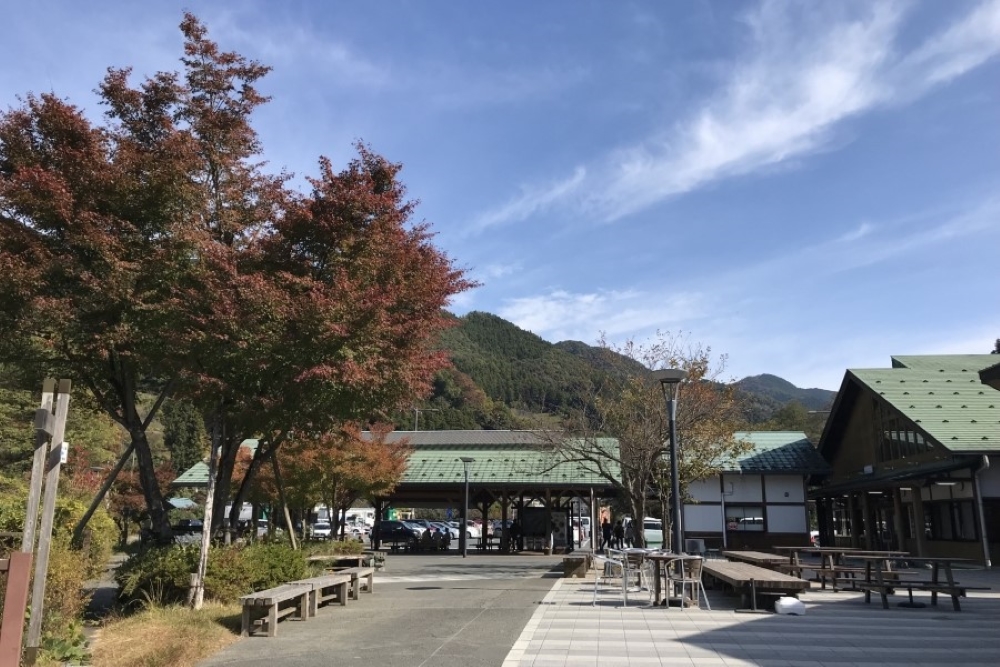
{"x":652,"y":530}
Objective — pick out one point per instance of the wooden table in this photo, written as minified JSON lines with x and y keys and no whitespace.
{"x":833,"y":562}
{"x":751,"y":580}
{"x":876,"y":579}
{"x":761,"y":558}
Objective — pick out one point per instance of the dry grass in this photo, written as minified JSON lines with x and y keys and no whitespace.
{"x":166,"y":636}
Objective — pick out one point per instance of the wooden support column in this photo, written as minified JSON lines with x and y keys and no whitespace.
{"x":899,"y":520}
{"x":866,"y":515}
{"x":505,"y":535}
{"x":919,"y":537}
{"x":855,"y":539}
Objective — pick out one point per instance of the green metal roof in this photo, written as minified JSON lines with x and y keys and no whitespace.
{"x":778,"y":452}
{"x":945,"y":363}
{"x":951,"y":406}
{"x":197,"y":475}
{"x":500,"y":457}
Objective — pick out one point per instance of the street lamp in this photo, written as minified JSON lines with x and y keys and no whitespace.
{"x":670,"y":379}
{"x":466,"y":460}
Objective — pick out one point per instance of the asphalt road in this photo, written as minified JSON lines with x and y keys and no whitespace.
{"x":444,"y":611}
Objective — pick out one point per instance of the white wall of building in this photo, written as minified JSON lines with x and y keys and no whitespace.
{"x":786,"y":519}
{"x":745,"y":488}
{"x":784,"y":489}
{"x":705,"y":491}
{"x":698,"y":518}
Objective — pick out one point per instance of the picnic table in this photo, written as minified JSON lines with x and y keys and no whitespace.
{"x":834,"y":565}
{"x":761,"y":558}
{"x":877,"y":581}
{"x":752,"y":580}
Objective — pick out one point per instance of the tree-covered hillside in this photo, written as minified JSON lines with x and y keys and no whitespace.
{"x":506,"y":377}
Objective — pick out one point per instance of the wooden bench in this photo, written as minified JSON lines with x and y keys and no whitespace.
{"x":275,"y":603}
{"x":841,"y":574}
{"x":357,"y":574}
{"x":326,"y":588}
{"x":954,"y":590}
{"x":752,"y":580}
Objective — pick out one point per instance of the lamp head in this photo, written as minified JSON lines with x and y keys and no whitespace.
{"x":669,"y":375}
{"x":466,"y":459}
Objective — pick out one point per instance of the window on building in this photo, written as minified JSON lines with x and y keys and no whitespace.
{"x":745,"y":518}
{"x":951,"y":520}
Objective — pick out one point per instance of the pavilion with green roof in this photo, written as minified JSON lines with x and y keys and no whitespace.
{"x":910,"y":448}
{"x":515,"y":469}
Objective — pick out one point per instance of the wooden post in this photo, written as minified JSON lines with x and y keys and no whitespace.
{"x":198,"y":579}
{"x":15,"y":603}
{"x":43,"y":433}
{"x":52,"y":467}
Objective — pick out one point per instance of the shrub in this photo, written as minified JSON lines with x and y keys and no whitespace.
{"x":163,"y":574}
{"x":274,"y":564}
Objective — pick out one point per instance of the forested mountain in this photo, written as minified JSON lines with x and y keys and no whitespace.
{"x":506,"y":377}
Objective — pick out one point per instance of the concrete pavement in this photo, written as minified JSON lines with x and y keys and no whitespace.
{"x":444,"y":611}
{"x":517,"y":611}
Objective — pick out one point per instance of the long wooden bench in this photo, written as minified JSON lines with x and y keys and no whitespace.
{"x":845,"y":574}
{"x":751,"y":580}
{"x":326,"y":588}
{"x":954,"y":590}
{"x":275,"y":603}
{"x":357,"y":574}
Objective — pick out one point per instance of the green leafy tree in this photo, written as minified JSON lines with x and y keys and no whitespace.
{"x":184,"y":434}
{"x":630,"y":407}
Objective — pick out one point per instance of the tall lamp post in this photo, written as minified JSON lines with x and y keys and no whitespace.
{"x":464,"y":535}
{"x":670,"y":379}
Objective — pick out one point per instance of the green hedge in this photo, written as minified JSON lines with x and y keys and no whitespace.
{"x":162,"y":575}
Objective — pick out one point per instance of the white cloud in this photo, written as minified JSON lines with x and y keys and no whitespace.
{"x":532,"y":200}
{"x":863,"y":230}
{"x":806,"y":73}
{"x":562,"y":315}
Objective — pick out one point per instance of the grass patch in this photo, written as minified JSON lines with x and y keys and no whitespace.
{"x":170,"y":636}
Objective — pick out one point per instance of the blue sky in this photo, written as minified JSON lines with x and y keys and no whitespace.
{"x":803,"y":186}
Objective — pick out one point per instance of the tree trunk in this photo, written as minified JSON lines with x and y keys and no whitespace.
{"x":150,"y":488}
{"x":223,"y":478}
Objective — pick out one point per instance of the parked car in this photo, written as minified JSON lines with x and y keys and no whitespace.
{"x":322,"y":530}
{"x":397,"y":532}
{"x":445,"y":527}
{"x":188,"y":526}
{"x":471,"y":529}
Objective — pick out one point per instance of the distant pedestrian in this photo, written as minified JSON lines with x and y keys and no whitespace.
{"x":629,"y":534}
{"x":619,"y":540}
{"x":605,"y":534}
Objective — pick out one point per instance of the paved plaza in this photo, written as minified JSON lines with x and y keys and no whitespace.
{"x":517,"y":611}
{"x":838,"y":629}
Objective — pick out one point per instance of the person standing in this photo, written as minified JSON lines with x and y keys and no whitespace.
{"x":619,"y":540}
{"x":605,"y":534}
{"x":629,"y":534}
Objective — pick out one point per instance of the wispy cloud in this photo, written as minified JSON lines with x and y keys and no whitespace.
{"x":805,"y":73}
{"x":564,"y":315}
{"x":531,"y":200}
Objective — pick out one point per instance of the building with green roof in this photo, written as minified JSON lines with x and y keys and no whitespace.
{"x":759,"y":499}
{"x":910,"y":448}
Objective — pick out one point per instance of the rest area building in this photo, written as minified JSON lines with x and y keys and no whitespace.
{"x":914,"y":451}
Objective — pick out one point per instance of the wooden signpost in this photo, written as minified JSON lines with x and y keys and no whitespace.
{"x":50,"y":429}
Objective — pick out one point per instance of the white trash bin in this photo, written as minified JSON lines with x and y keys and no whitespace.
{"x":789,"y":605}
